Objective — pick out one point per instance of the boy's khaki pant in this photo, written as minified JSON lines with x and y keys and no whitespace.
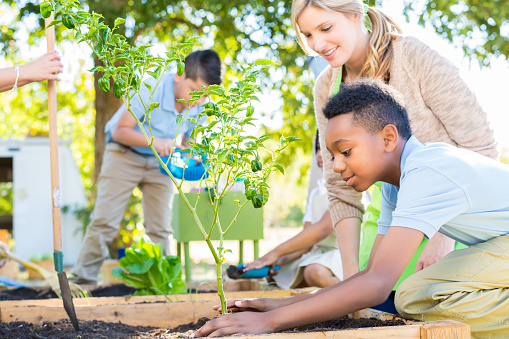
{"x":469,"y":285}
{"x":122,"y":170}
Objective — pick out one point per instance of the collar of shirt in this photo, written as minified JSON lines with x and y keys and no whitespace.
{"x":411,"y":145}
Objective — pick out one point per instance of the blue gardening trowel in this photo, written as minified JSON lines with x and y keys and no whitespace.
{"x":237,"y":272}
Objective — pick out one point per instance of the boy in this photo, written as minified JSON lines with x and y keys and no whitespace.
{"x":427,"y":188}
{"x":129,"y":162}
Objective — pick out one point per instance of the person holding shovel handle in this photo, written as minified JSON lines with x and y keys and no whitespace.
{"x":46,"y":67}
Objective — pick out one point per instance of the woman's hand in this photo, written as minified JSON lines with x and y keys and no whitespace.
{"x":436,"y":248}
{"x":46,"y":67}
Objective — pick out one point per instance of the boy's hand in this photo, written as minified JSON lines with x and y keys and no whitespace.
{"x":253,"y":305}
{"x":232,"y":324}
{"x":163,"y":146}
{"x":436,"y":248}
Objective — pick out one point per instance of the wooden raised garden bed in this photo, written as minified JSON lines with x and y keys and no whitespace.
{"x":158,"y":311}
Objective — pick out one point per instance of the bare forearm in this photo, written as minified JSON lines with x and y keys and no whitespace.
{"x":348,"y":237}
{"x":285,"y":259}
{"x":309,"y":236}
{"x":8,"y":78}
{"x":129,"y":137}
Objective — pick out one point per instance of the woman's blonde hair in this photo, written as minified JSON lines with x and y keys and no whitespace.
{"x":384,"y":30}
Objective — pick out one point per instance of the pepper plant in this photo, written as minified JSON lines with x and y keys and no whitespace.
{"x":230,"y":153}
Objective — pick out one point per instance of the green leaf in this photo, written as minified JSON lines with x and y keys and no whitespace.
{"x":265,"y":62}
{"x":53,"y":23}
{"x":140,"y":268}
{"x":152,"y":106}
{"x":279,"y":168}
{"x":118,"y":21}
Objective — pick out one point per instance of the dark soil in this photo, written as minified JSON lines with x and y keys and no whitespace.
{"x":234,"y":272}
{"x":117,"y":290}
{"x":345,"y":323}
{"x":98,"y":329}
{"x":24,"y":293}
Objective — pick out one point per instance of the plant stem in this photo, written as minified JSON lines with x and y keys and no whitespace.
{"x":220,"y":291}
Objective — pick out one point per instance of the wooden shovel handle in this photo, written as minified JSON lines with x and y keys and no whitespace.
{"x":53,"y":144}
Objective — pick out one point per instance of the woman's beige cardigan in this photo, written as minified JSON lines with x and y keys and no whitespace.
{"x":440,"y":106}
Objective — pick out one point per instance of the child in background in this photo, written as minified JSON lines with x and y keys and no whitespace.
{"x":309,"y":258}
{"x":428,"y":188}
{"x":128,"y":161}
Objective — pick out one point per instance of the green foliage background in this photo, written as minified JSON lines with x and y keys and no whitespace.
{"x":240,"y":31}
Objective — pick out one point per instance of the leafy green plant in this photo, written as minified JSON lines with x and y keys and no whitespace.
{"x":147,"y":269}
{"x":230,"y":152}
{"x":41,"y":257}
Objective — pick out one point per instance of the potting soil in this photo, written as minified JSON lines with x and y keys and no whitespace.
{"x":98,"y":329}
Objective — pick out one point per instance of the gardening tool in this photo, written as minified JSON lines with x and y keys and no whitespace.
{"x":51,"y":278}
{"x":55,"y":186}
{"x":237,"y":272}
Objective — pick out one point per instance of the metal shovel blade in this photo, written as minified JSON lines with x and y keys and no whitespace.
{"x":67,"y":299}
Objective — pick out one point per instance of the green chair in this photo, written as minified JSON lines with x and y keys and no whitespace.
{"x":249,"y":224}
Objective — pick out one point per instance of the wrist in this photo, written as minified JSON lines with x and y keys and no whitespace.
{"x":16,"y":78}
{"x":23,"y":75}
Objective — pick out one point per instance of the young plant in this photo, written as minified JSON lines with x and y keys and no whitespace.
{"x":230,"y":152}
{"x":150,"y":271}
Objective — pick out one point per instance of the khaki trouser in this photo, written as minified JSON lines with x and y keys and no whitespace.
{"x":122,"y":170}
{"x":469,"y":285}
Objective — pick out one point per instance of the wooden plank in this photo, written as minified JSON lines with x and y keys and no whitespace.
{"x":159,"y":298}
{"x":402,"y":332}
{"x":165,"y":315}
{"x":445,"y":329}
{"x":153,"y":298}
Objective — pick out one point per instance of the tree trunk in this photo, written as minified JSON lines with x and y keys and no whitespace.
{"x":106,"y":104}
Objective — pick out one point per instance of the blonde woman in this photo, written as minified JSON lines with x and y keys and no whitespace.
{"x":359,"y":42}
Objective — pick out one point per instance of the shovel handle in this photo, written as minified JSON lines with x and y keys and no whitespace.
{"x":27,"y":264}
{"x":53,"y":144}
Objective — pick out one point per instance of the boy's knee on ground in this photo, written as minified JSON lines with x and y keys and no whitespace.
{"x":412,"y":297}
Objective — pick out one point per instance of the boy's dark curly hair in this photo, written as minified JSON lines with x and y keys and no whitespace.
{"x":373,"y":104}
{"x":204,"y":64}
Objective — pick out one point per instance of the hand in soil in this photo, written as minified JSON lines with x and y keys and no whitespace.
{"x":236,"y":324}
{"x":252,"y":305}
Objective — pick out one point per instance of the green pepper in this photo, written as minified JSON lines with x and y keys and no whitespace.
{"x":250,"y":111}
{"x":257,"y":201}
{"x":180,"y":68}
{"x":250,"y":193}
{"x":104,"y":84}
{"x":46,"y":9}
{"x":68,"y":21}
{"x":256,"y":166}
{"x":118,"y":88}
